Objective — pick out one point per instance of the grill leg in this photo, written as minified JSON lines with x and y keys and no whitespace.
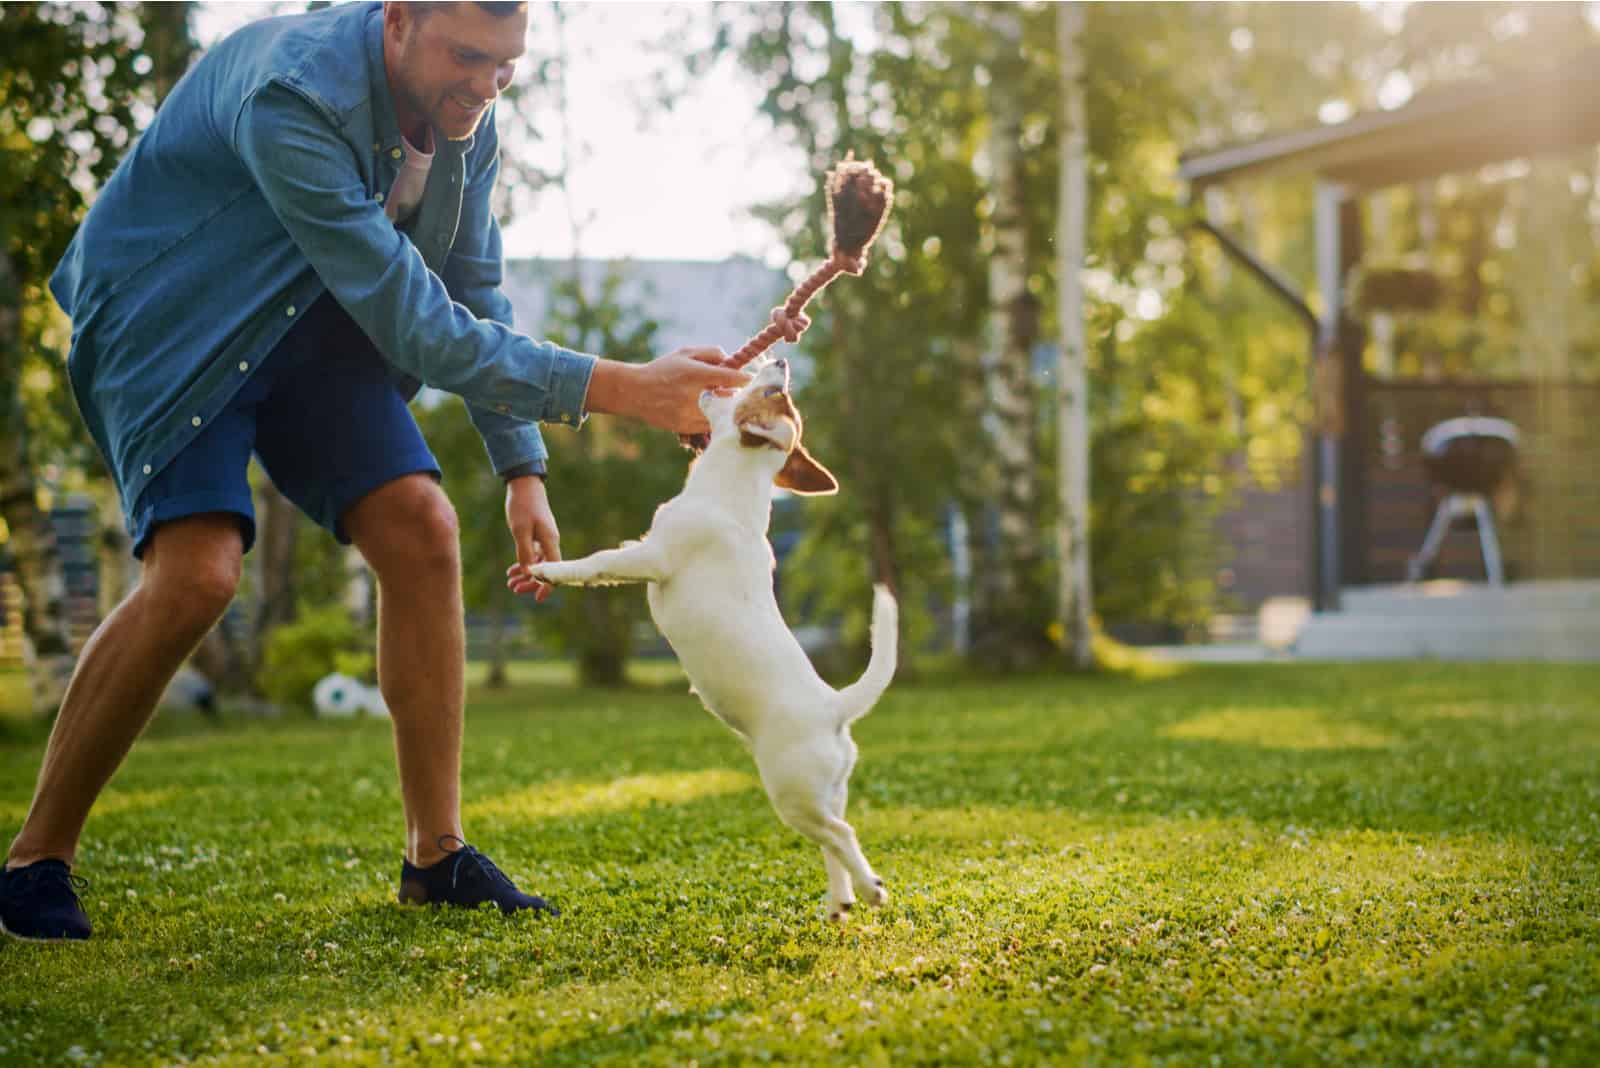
{"x":1489,"y":538}
{"x":1430,"y":545}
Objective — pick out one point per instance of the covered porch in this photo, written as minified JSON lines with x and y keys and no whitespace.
{"x":1365,"y":499}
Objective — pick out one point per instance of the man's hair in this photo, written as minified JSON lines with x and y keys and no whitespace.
{"x":498,"y":8}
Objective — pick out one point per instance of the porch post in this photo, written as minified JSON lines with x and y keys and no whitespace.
{"x":1327,"y":394}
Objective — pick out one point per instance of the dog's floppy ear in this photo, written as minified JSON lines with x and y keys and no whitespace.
{"x":803,"y":475}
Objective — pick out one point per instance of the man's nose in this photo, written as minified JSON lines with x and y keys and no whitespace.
{"x":486,"y":86}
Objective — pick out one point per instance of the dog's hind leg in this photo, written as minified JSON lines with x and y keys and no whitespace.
{"x":840,"y":897}
{"x":868,"y":885}
{"x":838,"y":839}
{"x":812,"y":821}
{"x":872,"y":890}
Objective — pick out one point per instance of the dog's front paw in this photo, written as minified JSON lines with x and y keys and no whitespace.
{"x":837,"y":911}
{"x":551,"y":573}
{"x":877,"y":894}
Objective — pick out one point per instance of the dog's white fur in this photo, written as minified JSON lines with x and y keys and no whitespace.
{"x":709,"y":568}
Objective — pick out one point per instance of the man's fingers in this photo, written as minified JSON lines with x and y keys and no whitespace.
{"x":711,"y":355}
{"x":518,"y":580}
{"x":547,"y":541}
{"x":728,"y":378}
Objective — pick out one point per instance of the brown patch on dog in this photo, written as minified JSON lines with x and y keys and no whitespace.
{"x":803,"y":475}
{"x":765,"y":411}
{"x":800,"y":474}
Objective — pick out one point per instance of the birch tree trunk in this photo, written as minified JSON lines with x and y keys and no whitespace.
{"x":1009,"y":630}
{"x":1072,"y":385}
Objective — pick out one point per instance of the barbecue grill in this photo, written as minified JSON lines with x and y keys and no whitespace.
{"x":1466,"y":459}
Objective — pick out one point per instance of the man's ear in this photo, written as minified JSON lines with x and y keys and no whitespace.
{"x":803,"y":475}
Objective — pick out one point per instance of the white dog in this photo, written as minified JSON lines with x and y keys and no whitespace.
{"x":709,"y":567}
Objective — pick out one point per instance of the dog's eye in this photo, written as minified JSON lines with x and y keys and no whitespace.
{"x":770,"y":390}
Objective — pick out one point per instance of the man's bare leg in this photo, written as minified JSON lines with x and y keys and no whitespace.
{"x":407,"y":532}
{"x":191,"y":570}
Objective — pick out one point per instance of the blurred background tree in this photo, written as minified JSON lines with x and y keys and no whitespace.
{"x":930,"y":390}
{"x":78,"y":81}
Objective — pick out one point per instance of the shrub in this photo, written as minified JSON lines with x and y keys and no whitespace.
{"x":298,"y":654}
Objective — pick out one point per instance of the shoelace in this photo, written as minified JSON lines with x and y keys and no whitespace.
{"x":463,"y":853}
{"x":25,"y":881}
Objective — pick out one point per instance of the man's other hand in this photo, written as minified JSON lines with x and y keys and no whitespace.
{"x":664,"y":392}
{"x":533,"y":529}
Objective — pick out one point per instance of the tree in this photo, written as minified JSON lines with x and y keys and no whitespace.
{"x":1072,"y":384}
{"x":605,"y":483}
{"x":71,"y":94}
{"x":891,"y":390}
{"x":1011,"y":613}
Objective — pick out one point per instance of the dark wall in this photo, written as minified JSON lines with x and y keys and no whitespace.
{"x":1553,"y":528}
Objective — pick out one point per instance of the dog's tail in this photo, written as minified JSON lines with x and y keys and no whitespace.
{"x":857,"y":699}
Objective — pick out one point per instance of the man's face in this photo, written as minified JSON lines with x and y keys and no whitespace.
{"x":447,"y":66}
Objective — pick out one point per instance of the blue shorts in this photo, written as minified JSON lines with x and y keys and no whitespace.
{"x":324,"y":415}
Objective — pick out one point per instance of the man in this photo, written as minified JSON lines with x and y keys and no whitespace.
{"x":302,"y":235}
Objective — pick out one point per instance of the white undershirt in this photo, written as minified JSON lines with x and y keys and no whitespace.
{"x":406,"y":193}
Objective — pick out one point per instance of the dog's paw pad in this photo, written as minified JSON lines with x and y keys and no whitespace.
{"x":879,"y":896}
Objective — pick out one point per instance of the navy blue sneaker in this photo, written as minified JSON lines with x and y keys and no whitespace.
{"x":39,"y":902}
{"x":466,"y":878}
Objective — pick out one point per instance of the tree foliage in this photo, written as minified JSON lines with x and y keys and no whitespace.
{"x":1197,"y":376}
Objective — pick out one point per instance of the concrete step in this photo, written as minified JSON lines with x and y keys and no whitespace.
{"x":1521,"y":636}
{"x":1555,"y":620}
{"x":1574,"y":597}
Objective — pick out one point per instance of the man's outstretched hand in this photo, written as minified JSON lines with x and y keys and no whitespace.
{"x":664,"y":392}
{"x":533,"y":529}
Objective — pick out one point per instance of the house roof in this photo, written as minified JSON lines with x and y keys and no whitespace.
{"x":1450,"y":129}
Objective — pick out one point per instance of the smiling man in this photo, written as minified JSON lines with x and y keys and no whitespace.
{"x":301,"y":237}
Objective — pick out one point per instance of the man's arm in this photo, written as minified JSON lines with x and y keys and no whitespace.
{"x":309,"y":178}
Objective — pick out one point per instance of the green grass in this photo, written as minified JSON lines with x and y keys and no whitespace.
{"x":1391,"y":864}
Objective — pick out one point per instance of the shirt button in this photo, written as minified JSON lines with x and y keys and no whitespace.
{"x":195,"y":421}
{"x":289,"y":311}
{"x":396,"y":153}
{"x":503,"y":409}
{"x":147,"y":469}
{"x":244,"y":365}
{"x":378,"y":197}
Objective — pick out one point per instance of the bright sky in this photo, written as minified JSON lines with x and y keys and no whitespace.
{"x":670,"y":185}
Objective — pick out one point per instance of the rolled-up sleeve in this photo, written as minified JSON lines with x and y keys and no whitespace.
{"x":310,"y":178}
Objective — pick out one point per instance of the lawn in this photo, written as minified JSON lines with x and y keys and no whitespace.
{"x":1275,"y":864}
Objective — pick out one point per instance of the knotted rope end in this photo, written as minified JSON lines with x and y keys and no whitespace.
{"x":859,"y":199}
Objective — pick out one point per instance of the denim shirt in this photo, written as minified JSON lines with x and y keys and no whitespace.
{"x":259,"y":186}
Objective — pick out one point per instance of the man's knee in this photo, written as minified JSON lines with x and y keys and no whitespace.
{"x":192,"y":568}
{"x":408,"y":524}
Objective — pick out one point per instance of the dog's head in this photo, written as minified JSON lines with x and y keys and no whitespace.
{"x":763,"y":416}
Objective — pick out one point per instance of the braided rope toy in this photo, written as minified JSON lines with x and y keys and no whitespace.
{"x":859,"y":198}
